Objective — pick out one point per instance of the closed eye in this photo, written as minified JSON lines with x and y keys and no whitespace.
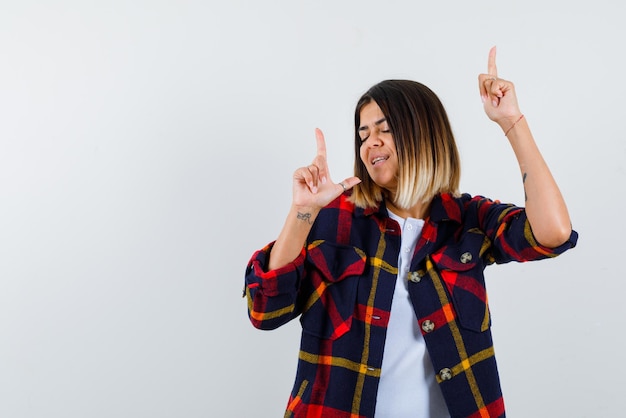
{"x":364,"y":133}
{"x":381,"y":125}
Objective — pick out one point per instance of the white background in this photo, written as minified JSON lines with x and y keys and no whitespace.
{"x":147,"y":147}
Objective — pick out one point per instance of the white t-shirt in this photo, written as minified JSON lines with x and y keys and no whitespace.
{"x":407,"y":388}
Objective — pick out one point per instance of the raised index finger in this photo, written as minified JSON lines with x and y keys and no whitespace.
{"x":321,"y":143}
{"x":491,"y":63}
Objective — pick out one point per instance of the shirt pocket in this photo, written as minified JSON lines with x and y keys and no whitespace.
{"x":333,"y":272}
{"x":298,"y":400}
{"x":460,"y":266}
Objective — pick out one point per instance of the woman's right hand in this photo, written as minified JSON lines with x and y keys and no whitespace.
{"x":312,"y":186}
{"x":312,"y":190}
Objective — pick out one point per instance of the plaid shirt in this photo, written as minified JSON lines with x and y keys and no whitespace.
{"x":342,"y":285}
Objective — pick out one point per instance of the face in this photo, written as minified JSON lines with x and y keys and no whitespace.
{"x":378,"y":149}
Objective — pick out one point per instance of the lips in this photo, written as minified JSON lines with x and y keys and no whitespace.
{"x":380,"y":159}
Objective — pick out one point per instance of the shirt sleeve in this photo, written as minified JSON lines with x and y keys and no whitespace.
{"x":272,"y":294}
{"x":512,"y":238}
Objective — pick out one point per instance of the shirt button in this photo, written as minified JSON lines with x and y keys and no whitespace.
{"x":415,"y":277}
{"x":407,"y":249}
{"x":445,"y":374}
{"x":466,"y":257}
{"x":428,"y":326}
{"x":409,"y":227}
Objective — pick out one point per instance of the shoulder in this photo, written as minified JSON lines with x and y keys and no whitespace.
{"x":338,"y":212}
{"x":448,"y":206}
{"x":341,"y":220}
{"x":341,"y":204}
{"x":465,"y":206}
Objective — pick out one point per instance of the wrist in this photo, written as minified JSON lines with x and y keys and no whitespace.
{"x":305,"y":214}
{"x":510,"y":123}
{"x":305,"y":208}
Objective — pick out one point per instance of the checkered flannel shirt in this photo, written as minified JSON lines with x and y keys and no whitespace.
{"x":341,"y":285}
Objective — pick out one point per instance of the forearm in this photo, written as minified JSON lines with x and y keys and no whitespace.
{"x":292,"y":237}
{"x":272,"y":295}
{"x":545,"y":207}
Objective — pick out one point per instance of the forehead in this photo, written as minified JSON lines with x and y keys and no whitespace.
{"x":370,"y":114}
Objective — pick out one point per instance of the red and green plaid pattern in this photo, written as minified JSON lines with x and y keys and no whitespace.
{"x":341,"y":287}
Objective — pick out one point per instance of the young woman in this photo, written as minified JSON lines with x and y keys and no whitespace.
{"x":385,"y":269}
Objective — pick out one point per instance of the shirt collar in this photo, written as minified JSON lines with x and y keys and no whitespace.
{"x":445,"y":207}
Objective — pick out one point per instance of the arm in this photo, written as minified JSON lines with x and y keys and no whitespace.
{"x":312,"y":190}
{"x":545,"y":207}
{"x":273,"y":276}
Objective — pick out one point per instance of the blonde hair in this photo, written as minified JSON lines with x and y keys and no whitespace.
{"x":428,"y":157}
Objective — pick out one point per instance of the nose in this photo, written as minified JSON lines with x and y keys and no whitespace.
{"x":374,"y":140}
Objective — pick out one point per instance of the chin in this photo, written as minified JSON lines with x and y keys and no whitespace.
{"x":385,"y":182}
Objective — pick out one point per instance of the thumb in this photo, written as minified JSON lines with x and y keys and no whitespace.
{"x":349,"y":183}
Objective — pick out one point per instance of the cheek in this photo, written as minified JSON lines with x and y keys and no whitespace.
{"x":362,"y":155}
{"x":391,"y":144}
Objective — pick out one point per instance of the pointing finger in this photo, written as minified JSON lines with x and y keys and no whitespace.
{"x":321,"y":143}
{"x":491,"y":63}
{"x":320,"y":159}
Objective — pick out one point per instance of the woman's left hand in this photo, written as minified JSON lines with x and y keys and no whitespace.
{"x":498,"y":95}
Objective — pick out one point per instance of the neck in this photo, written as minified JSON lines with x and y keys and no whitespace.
{"x":417,"y":211}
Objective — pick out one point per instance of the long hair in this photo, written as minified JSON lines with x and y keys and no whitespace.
{"x":428,"y":157}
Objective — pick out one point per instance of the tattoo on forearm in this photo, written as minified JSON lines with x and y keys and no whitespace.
{"x":524,"y":182}
{"x":305,"y":217}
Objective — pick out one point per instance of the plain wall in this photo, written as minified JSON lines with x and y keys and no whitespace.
{"x":147,"y":149}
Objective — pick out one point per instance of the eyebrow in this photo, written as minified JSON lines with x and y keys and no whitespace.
{"x":378,"y":122}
